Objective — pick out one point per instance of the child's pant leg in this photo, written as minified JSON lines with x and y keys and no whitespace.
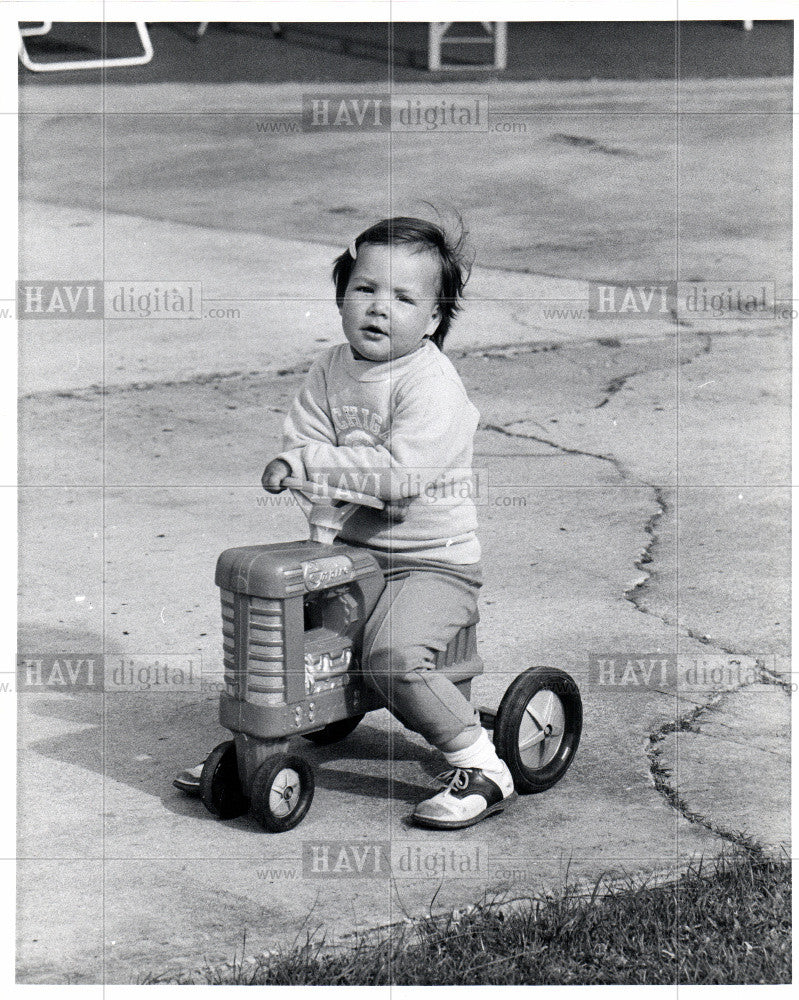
{"x":417,"y":616}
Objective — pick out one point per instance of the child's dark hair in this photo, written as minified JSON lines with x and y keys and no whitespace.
{"x":422,"y":235}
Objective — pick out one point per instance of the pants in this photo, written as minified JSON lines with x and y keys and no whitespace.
{"x":417,"y":615}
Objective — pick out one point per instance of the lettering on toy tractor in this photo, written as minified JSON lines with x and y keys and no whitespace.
{"x":319,"y":573}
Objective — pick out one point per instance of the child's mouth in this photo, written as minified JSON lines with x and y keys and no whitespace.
{"x":374,"y":330}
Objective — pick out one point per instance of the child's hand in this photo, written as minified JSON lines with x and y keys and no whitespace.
{"x":274,"y":474}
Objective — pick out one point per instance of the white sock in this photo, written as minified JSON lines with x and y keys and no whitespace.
{"x":480,"y":754}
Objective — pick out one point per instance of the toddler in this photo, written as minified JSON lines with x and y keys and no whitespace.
{"x":386,"y":413}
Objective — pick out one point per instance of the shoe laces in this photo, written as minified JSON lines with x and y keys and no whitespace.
{"x":457,"y":777}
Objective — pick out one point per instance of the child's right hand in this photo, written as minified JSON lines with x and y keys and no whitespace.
{"x":274,"y":474}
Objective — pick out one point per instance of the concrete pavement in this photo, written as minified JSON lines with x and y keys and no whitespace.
{"x":638,"y":503}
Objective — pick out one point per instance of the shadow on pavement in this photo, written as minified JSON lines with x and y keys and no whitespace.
{"x":144,"y":747}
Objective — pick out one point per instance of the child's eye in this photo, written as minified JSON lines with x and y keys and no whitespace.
{"x":363,"y":288}
{"x":406,"y":298}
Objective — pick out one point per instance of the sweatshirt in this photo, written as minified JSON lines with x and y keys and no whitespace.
{"x":399,"y":430}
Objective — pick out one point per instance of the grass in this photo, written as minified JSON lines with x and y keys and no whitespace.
{"x":729,"y":925}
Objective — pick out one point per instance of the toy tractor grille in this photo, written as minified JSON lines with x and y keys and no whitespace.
{"x":252,"y":642}
{"x":228,"y":640}
{"x":329,"y":617}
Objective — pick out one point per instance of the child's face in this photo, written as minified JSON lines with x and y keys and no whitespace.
{"x":391,"y":302}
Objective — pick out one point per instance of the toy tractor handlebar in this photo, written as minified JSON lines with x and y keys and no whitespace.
{"x":328,"y":508}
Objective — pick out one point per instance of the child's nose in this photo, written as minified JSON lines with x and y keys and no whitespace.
{"x":378,"y":306}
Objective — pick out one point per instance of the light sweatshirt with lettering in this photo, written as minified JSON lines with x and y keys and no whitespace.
{"x":399,"y":430}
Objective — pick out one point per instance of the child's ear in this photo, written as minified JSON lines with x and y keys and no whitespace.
{"x":435,"y":319}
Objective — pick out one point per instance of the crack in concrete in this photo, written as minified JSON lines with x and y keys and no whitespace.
{"x":95,"y":389}
{"x":661,"y":776}
{"x":648,"y":554}
{"x":564,"y":449}
{"x":687,"y":723}
{"x":620,"y":381}
{"x":771,"y":677}
{"x":209,"y":378}
{"x":616,"y":385}
{"x":508,"y":352}
{"x":724,"y":737}
{"x":503,"y":352}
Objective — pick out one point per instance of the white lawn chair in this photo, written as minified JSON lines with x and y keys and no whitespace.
{"x":56,"y":66}
{"x":496,"y":36}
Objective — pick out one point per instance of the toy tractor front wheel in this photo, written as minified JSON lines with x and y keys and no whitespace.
{"x":220,"y":788}
{"x":538,"y":726}
{"x":282,"y":792}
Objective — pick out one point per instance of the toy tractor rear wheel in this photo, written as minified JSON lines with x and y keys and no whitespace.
{"x":220,"y":788}
{"x":538,"y":726}
{"x":334,"y":731}
{"x":282,"y":792}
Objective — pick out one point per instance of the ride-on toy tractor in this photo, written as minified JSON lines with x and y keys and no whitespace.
{"x":293,"y":615}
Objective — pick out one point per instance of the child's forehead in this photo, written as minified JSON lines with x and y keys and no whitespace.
{"x":401,"y":264}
